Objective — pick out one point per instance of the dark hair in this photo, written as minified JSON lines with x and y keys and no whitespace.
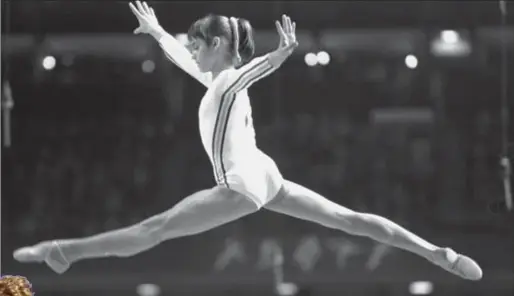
{"x":213,"y":25}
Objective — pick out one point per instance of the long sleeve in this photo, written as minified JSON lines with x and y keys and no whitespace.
{"x":180,"y":56}
{"x":250,"y":73}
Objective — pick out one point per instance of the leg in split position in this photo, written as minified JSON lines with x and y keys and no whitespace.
{"x":197,"y":213}
{"x":302,"y":203}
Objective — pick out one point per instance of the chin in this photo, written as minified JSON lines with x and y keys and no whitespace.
{"x":202,"y":69}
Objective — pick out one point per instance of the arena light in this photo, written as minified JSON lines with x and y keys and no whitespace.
{"x":148,"y":66}
{"x":311,"y":59}
{"x":411,"y":61}
{"x":148,"y":290}
{"x":421,"y":288}
{"x":48,"y":63}
{"x":443,"y":49}
{"x":450,"y":43}
{"x":286,"y":289}
{"x":450,"y":36}
{"x":323,"y":58}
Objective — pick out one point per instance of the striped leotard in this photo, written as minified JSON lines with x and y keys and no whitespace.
{"x":226,"y":128}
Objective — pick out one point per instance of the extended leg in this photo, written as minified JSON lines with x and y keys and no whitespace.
{"x":197,"y":213}
{"x":302,"y":203}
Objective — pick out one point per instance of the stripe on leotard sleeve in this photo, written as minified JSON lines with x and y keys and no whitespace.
{"x":250,"y":72}
{"x":227,"y":101}
{"x":220,"y":122}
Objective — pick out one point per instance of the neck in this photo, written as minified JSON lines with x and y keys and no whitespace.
{"x":220,"y":67}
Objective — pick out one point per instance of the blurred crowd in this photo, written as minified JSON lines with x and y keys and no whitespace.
{"x":85,"y":174}
{"x":79,"y":176}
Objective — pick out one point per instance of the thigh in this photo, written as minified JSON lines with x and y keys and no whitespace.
{"x":215,"y":206}
{"x":302,"y":203}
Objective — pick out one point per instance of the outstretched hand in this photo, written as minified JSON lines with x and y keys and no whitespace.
{"x":287,"y":33}
{"x":145,"y":15}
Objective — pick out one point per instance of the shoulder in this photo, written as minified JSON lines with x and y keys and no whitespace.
{"x":223,"y":81}
{"x":231,"y":79}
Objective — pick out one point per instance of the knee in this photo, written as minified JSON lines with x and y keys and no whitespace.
{"x":347,"y":220}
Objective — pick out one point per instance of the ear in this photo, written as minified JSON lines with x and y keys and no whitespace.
{"x":216,"y":42}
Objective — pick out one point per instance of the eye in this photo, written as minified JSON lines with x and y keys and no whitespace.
{"x":192,"y":46}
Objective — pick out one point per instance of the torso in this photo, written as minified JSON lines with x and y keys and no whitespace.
{"x":226,"y":126}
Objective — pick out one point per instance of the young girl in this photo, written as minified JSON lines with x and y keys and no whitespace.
{"x":220,"y":57}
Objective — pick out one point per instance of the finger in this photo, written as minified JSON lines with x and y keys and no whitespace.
{"x":152,"y":12}
{"x":135,"y":11}
{"x":294,"y":27}
{"x":280,"y":29}
{"x":137,"y":30}
{"x":289,"y":25}
{"x":146,"y":8}
{"x":284,"y":22}
{"x":140,"y":8}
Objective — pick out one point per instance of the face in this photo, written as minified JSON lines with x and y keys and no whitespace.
{"x":204,"y":55}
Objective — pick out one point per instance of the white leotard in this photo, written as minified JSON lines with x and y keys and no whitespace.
{"x":226,"y":125}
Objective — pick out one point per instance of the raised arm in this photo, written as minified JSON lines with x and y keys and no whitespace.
{"x":180,"y":56}
{"x":262,"y":66}
{"x":173,"y":49}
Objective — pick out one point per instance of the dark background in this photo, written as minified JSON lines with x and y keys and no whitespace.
{"x":98,"y":144}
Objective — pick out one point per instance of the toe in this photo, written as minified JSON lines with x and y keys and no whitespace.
{"x":26,"y":254}
{"x":469,"y":268}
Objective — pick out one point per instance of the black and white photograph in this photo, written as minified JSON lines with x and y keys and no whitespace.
{"x":257,"y":148}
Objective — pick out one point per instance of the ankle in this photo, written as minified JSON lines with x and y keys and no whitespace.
{"x":435,"y":254}
{"x":64,"y":251}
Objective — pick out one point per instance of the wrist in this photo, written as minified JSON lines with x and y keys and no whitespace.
{"x":157,"y":33}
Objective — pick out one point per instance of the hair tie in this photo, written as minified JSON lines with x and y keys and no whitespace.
{"x":235,"y":31}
